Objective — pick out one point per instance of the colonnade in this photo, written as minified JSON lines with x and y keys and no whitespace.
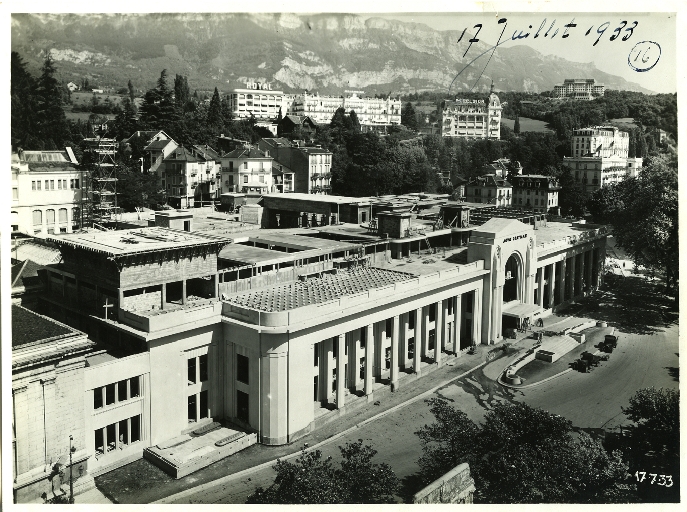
{"x":381,"y":350}
{"x":569,"y":277}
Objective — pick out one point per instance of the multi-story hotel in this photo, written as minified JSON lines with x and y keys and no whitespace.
{"x":260,"y":102}
{"x":535,"y":191}
{"x":579,"y":89}
{"x":373,"y":113}
{"x":472,"y":119}
{"x":47,"y":188}
{"x":272,"y":333}
{"x":600,"y":157}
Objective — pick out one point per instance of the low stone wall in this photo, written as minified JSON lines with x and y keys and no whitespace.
{"x":456,"y":486}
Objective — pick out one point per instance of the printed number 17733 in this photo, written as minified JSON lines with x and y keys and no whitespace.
{"x":666,"y":480}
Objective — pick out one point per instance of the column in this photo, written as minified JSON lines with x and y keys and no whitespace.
{"x":439,"y":326}
{"x":183,"y":291}
{"x":369,"y":354}
{"x":215,"y":283}
{"x":495,"y":313}
{"x":477,"y":316}
{"x":340,"y":371}
{"x":418,"y":340}
{"x":22,"y":403}
{"x":581,"y":273}
{"x":561,"y":283}
{"x":403,"y":349}
{"x":573,"y":291}
{"x":425,"y":331}
{"x":457,"y":306}
{"x":380,"y":337}
{"x":540,"y":291}
{"x":393,"y":372}
{"x":163,"y":296}
{"x":589,"y":266}
{"x":552,"y":286}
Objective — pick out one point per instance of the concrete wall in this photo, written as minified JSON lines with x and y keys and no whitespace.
{"x":48,"y":408}
{"x":168,"y":379}
{"x":456,"y":486}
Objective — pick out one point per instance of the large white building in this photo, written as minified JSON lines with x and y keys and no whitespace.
{"x":278,"y":333}
{"x":579,"y":89}
{"x":47,"y":188}
{"x":472,"y":119}
{"x":600,"y":157}
{"x":373,"y":113}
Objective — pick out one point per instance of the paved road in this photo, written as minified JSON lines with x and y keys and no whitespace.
{"x":646,"y":356}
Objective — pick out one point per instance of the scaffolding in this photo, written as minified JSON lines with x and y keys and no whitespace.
{"x":99,"y":197}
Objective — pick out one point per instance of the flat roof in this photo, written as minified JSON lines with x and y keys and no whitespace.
{"x":317,"y":198}
{"x":132,"y":241}
{"x":318,"y":290}
{"x":557,"y":230}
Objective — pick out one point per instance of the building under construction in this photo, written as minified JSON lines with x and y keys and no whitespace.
{"x":99,"y":207}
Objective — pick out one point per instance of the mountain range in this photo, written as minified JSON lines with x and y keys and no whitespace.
{"x":328,"y":53}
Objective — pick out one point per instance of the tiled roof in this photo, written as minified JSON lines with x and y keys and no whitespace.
{"x":25,"y":273}
{"x":205,"y":152}
{"x":157,"y":144}
{"x":246,"y":153}
{"x":29,"y":327}
{"x":40,"y":254}
{"x":318,"y":290}
{"x":181,"y":154}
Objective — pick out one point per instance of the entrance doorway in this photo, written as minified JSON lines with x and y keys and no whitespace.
{"x":511,"y":286}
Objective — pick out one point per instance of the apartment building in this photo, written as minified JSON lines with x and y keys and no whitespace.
{"x":310,"y":166}
{"x":47,"y":192}
{"x":181,"y":176}
{"x":535,"y":191}
{"x":489,"y":189}
{"x":600,"y":157}
{"x":247,"y":170}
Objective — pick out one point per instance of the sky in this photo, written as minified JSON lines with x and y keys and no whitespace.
{"x":653,"y":39}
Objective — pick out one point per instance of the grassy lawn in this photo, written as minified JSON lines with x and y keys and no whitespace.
{"x":528,"y":125}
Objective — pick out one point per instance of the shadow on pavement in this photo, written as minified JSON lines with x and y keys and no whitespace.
{"x":633,"y":305}
{"x":410,"y":485}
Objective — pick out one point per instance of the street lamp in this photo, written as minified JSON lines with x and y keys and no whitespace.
{"x":72,"y":449}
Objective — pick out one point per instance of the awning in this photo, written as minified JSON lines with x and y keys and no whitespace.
{"x":519,"y":310}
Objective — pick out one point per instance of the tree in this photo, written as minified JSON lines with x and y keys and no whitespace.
{"x":158,"y":108}
{"x":654,"y":439}
{"x":522,"y":455}
{"x":182,"y":93}
{"x":215,"y":111}
{"x":408,"y":117}
{"x":605,"y":203}
{"x":646,"y":223}
{"x":132,"y":94}
{"x":52,"y":122}
{"x":516,"y":125}
{"x":572,"y":199}
{"x":354,"y":122}
{"x":23,"y":104}
{"x":311,"y":479}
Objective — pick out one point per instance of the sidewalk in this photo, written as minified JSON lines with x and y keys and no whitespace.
{"x":140,"y":482}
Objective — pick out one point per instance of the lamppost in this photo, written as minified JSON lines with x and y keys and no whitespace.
{"x":72,"y":449}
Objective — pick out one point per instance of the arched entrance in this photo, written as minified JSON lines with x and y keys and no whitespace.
{"x":511,"y":286}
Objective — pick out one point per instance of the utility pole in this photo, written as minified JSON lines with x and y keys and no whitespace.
{"x":71,"y":469}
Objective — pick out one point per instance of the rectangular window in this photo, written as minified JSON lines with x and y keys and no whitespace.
{"x":242,"y":368}
{"x":242,"y":406}
{"x":99,"y":441}
{"x":33,"y":185}
{"x":203,"y":404}
{"x":245,"y":178}
{"x":71,"y":183}
{"x":231,"y":166}
{"x":192,"y":371}
{"x":109,"y":394}
{"x":111,"y":433}
{"x":203,"y":367}
{"x":15,"y":193}
{"x":59,"y":184}
{"x":76,"y":183}
{"x":134,"y":387}
{"x":52,"y":184}
{"x":135,"y":428}
{"x":121,"y":391}
{"x":245,"y":165}
{"x":97,"y":398}
{"x":38,"y":185}
{"x":47,"y":185}
{"x":123,"y":433}
{"x":192,"y":418}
